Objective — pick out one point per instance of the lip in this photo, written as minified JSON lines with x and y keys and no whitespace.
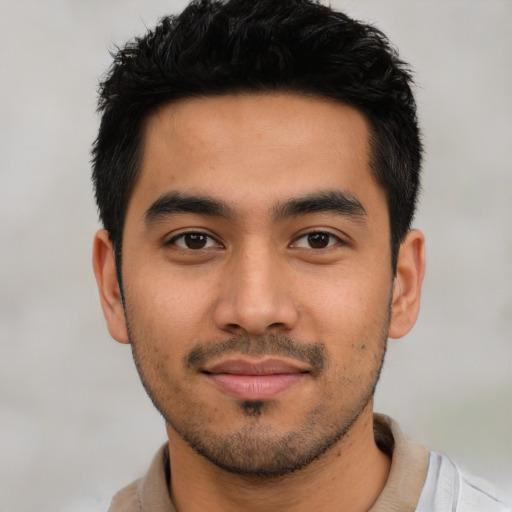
{"x":255,"y":379}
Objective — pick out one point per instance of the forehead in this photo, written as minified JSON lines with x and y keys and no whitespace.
{"x":254,"y":148}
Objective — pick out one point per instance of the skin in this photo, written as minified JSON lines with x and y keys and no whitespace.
{"x":261,"y":283}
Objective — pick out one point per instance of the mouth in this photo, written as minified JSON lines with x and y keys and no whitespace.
{"x":261,"y":379}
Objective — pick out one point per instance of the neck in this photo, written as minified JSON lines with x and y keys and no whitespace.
{"x":349,"y":476}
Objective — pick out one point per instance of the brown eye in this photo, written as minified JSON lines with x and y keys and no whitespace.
{"x":319,"y":240}
{"x":194,"y":241}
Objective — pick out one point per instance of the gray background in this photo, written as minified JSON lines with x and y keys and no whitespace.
{"x":75,"y":424}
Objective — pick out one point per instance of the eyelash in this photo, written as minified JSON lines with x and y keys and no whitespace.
{"x":332,"y":240}
{"x":212,"y":242}
{"x":198,"y":234}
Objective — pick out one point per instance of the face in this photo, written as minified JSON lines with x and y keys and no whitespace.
{"x":256,"y":276}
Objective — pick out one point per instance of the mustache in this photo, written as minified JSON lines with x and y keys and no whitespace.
{"x":312,"y":354}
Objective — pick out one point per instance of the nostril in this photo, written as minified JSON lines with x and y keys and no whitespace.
{"x":255,"y":315}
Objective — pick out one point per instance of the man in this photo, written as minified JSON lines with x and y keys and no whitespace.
{"x":256,"y":172}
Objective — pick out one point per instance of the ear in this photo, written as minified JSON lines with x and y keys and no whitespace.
{"x":103,"y":262}
{"x":407,"y":286}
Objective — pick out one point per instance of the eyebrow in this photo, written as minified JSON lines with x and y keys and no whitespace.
{"x":173,"y":203}
{"x":341,"y":202}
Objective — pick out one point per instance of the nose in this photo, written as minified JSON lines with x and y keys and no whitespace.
{"x":256,"y":296}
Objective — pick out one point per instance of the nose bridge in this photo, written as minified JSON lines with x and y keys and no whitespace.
{"x":256,"y":279}
{"x":256,"y":297}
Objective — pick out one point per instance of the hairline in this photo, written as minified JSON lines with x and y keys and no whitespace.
{"x":139,"y":139}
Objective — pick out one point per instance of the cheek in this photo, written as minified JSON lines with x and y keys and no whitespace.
{"x":350,"y":316}
{"x":170,"y":307}
{"x":349,"y":303}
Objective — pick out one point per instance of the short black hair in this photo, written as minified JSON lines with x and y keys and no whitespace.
{"x":217,"y":47}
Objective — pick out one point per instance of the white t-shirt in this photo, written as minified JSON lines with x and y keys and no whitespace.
{"x":448,"y":489}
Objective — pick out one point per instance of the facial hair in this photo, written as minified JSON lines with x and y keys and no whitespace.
{"x":254,"y":449}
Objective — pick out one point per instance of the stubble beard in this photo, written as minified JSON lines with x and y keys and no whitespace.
{"x":255,"y":450}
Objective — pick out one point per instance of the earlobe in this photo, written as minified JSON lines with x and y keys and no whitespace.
{"x":407,"y":287}
{"x":108,"y":287}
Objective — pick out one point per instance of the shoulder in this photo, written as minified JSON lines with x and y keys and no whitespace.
{"x":126,"y":500}
{"x":448,"y":488}
{"x":149,"y":493}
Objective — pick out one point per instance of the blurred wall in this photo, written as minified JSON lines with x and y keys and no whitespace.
{"x":75,"y":424}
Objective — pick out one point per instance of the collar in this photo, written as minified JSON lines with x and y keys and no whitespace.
{"x":409,"y":465}
{"x":401,"y":493}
